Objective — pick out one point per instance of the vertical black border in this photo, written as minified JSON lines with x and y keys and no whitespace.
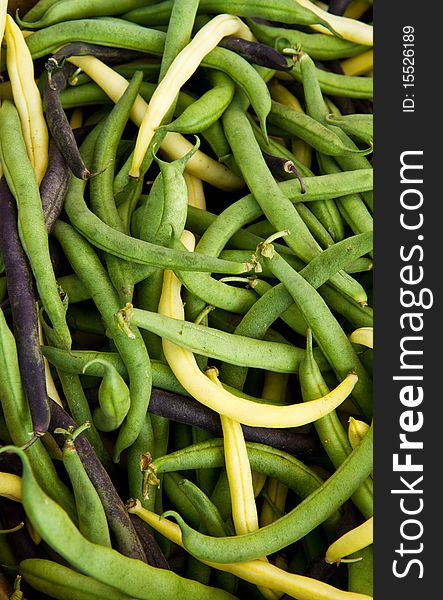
{"x":395,"y":132}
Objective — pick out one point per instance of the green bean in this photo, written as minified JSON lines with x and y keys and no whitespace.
{"x":19,"y":422}
{"x":205,"y":111}
{"x":360,"y":126}
{"x":178,"y":33}
{"x":85,"y":320}
{"x":175,"y":201}
{"x":72,"y":9}
{"x":38,"y":10}
{"x":307,"y":515}
{"x":316,"y":107}
{"x":78,"y":405}
{"x":274,"y":203}
{"x":92,"y":521}
{"x":101,"y":186}
{"x":240,"y":350}
{"x":303,"y":126}
{"x":148,"y":294}
{"x":279,"y":10}
{"x":31,"y":223}
{"x":179,"y":499}
{"x":361,"y":573}
{"x":113,"y":397}
{"x":231,"y":219}
{"x":73,"y":288}
{"x":357,"y":315}
{"x":318,"y":45}
{"x":137,"y":450}
{"x":209,"y":514}
{"x":325,"y":328}
{"x":329,"y":428}
{"x":274,"y":463}
{"x":133,"y":351}
{"x":74,"y":362}
{"x":123,"y":246}
{"x":277,"y":302}
{"x":316,"y":228}
{"x":108,"y":566}
{"x":339,"y":85}
{"x":58,"y":581}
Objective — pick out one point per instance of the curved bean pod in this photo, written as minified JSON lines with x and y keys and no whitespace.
{"x":110,"y":567}
{"x":255,"y":571}
{"x":294,"y":525}
{"x":351,"y":542}
{"x":186,"y":370}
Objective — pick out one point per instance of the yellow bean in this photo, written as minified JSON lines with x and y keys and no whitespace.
{"x":181,"y":69}
{"x":352,"y":541}
{"x":27,"y":97}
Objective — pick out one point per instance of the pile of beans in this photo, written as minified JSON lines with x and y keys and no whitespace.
{"x":186,"y":202}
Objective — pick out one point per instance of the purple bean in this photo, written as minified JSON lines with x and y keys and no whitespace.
{"x":20,"y":541}
{"x":127,"y":540}
{"x":188,"y":411}
{"x":24,"y":312}
{"x":54,"y":185}
{"x":256,"y":53}
{"x":150,"y":546}
{"x":338,"y":7}
{"x":58,"y":123}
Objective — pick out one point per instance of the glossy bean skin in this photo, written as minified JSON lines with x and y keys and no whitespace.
{"x":122,"y":34}
{"x":101,"y":186}
{"x":312,"y":511}
{"x":302,"y":126}
{"x":127,"y":575}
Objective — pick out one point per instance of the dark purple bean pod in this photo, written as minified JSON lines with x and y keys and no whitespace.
{"x":20,"y":541}
{"x":256,"y":53}
{"x":188,"y":411}
{"x":24,"y":312}
{"x":150,"y":546}
{"x":58,"y":123}
{"x":54,"y":185}
{"x":105,"y":53}
{"x":281,"y":167}
{"x":127,"y":540}
{"x":338,"y":7}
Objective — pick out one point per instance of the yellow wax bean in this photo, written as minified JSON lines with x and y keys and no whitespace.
{"x":254,"y":571}
{"x":359,"y":65}
{"x":180,"y":70}
{"x":174,"y":145}
{"x":200,"y":387}
{"x":352,"y":541}
{"x":11,"y":486}
{"x":196,"y":193}
{"x":363,"y":336}
{"x":349,"y":29}
{"x":27,"y":97}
